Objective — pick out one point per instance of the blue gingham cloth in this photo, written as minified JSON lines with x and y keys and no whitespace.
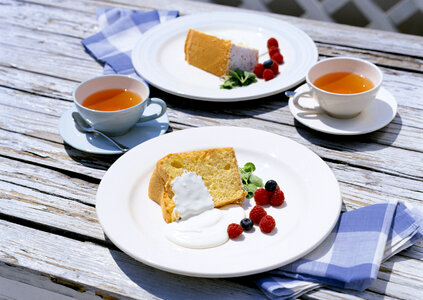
{"x":351,"y":255}
{"x":120,"y":29}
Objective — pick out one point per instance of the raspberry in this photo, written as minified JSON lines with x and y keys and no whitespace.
{"x":275,"y":68}
{"x":267,"y":224}
{"x":261,"y":196}
{"x":258,"y":70}
{"x":277,"y":198}
{"x":278,"y":58}
{"x":268,"y":74}
{"x":257,"y":213}
{"x":272,"y":42}
{"x":273,"y":50}
{"x":234,"y":230}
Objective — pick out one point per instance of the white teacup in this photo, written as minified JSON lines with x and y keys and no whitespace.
{"x":340,"y":105}
{"x":116,"y":122}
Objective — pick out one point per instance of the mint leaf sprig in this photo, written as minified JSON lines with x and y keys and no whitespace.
{"x":238,"y":78}
{"x":250,"y":181}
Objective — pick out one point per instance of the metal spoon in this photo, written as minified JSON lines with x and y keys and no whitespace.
{"x":83,"y":126}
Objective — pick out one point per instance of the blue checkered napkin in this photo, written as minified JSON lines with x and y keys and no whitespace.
{"x":120,"y":29}
{"x":351,"y":255}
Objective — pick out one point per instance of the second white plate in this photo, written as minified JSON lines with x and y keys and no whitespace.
{"x":134,"y":223}
{"x":159,"y":55}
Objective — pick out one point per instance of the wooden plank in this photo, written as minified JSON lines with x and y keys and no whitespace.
{"x":27,"y":86}
{"x":57,"y":44}
{"x":97,"y":270}
{"x":349,"y":150}
{"x":12,"y":289}
{"x":360,"y":187}
{"x":58,"y":211}
{"x":47,"y":185}
{"x":50,"y":198}
{"x":408,"y":120}
{"x":50,"y":211}
{"x":75,"y":69}
{"x":54,"y":155}
{"x":32,"y":191}
{"x":50,"y":16}
{"x":94,"y":270}
{"x":380,"y":158}
{"x":338,"y":34}
{"x":33,"y":182}
{"x":386,"y":60}
{"x":63,"y":34}
{"x":398,"y":83}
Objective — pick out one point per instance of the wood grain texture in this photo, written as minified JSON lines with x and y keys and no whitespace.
{"x":51,"y":237}
{"x":90,"y":268}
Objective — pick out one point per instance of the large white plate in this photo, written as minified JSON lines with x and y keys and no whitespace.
{"x":134,"y":223}
{"x":159,"y":55}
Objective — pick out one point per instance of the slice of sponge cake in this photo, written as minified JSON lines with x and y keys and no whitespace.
{"x":218,"y":168}
{"x":218,"y":56}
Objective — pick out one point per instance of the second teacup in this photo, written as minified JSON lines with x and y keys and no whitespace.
{"x":115,"y":120}
{"x":361,"y":81}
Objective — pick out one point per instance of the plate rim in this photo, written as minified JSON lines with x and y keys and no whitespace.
{"x":137,"y":63}
{"x":198,"y":273}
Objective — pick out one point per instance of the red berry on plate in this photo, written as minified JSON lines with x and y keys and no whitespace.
{"x":261,"y":196}
{"x":258,"y":70}
{"x":257,"y":213}
{"x":267,"y":224}
{"x":277,"y":198}
{"x":273,"y":50}
{"x":278,"y":58}
{"x":272,"y":42}
{"x":275,"y":68}
{"x":268,"y":74}
{"x":234,"y":230}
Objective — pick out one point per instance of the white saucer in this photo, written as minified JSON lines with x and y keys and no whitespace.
{"x":380,"y":112}
{"x":96,"y":144}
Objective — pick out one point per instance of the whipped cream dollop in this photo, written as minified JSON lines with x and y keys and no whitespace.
{"x":205,"y":230}
{"x":201,"y":225}
{"x":191,"y":195}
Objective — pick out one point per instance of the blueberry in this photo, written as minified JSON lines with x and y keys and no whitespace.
{"x":270,"y":185}
{"x":246,"y":224}
{"x":268,"y":64}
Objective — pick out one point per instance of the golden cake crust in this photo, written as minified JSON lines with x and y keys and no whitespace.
{"x":218,"y":168}
{"x":207,"y":52}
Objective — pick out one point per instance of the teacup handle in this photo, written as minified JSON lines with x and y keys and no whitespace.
{"x":297,"y":97}
{"x":157,"y":101}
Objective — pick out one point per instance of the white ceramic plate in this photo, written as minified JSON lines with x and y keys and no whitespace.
{"x":379,"y":113}
{"x":134,"y":223}
{"x":159,"y":55}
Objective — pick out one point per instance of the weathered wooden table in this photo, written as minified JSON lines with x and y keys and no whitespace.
{"x":51,"y":242}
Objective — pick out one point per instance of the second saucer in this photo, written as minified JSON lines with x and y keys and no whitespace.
{"x":380,"y":112}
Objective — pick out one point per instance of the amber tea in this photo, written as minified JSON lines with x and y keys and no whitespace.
{"x":343,"y":83}
{"x":112,"y":100}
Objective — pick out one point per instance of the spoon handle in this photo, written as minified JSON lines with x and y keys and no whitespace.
{"x":116,"y":143}
{"x":289,"y":93}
